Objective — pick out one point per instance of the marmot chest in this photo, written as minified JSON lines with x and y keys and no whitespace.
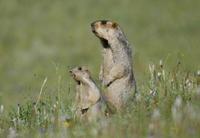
{"x":107,"y":60}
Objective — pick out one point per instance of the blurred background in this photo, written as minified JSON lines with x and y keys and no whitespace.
{"x":46,"y":38}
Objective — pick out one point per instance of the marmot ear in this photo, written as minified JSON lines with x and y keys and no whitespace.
{"x":114,"y":25}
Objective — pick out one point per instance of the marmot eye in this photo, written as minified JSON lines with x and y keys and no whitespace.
{"x":79,"y":68}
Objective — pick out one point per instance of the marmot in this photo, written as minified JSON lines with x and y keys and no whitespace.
{"x":116,"y":73}
{"x":88,"y":98}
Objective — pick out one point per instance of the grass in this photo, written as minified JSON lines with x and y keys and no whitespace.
{"x":43,"y":39}
{"x":166,"y":106}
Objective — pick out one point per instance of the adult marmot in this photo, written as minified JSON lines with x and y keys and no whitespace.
{"x":116,"y":72}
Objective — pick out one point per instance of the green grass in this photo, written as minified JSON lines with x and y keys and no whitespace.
{"x":166,"y":106}
{"x":43,"y":39}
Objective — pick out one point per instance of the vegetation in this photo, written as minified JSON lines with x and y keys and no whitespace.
{"x":41,"y":40}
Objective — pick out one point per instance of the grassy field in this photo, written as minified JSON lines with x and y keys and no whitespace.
{"x":43,"y":39}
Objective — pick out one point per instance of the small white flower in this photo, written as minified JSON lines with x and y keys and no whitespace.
{"x":152,"y":92}
{"x":188,"y":83}
{"x":161,"y":63}
{"x":163,"y":74}
{"x":159,"y":74}
{"x":54,"y":106}
{"x":1,"y":109}
{"x":198,"y":72}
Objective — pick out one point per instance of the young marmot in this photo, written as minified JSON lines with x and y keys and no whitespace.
{"x":88,"y":98}
{"x":116,"y":72}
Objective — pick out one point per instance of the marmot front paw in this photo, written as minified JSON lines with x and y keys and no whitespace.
{"x":106,"y":83}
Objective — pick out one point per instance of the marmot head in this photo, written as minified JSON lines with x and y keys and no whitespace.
{"x":106,"y":31}
{"x":79,"y":74}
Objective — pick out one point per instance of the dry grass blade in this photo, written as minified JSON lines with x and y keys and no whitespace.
{"x":41,"y":90}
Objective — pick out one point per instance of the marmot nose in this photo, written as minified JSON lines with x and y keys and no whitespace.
{"x":92,"y":24}
{"x":93,"y":27}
